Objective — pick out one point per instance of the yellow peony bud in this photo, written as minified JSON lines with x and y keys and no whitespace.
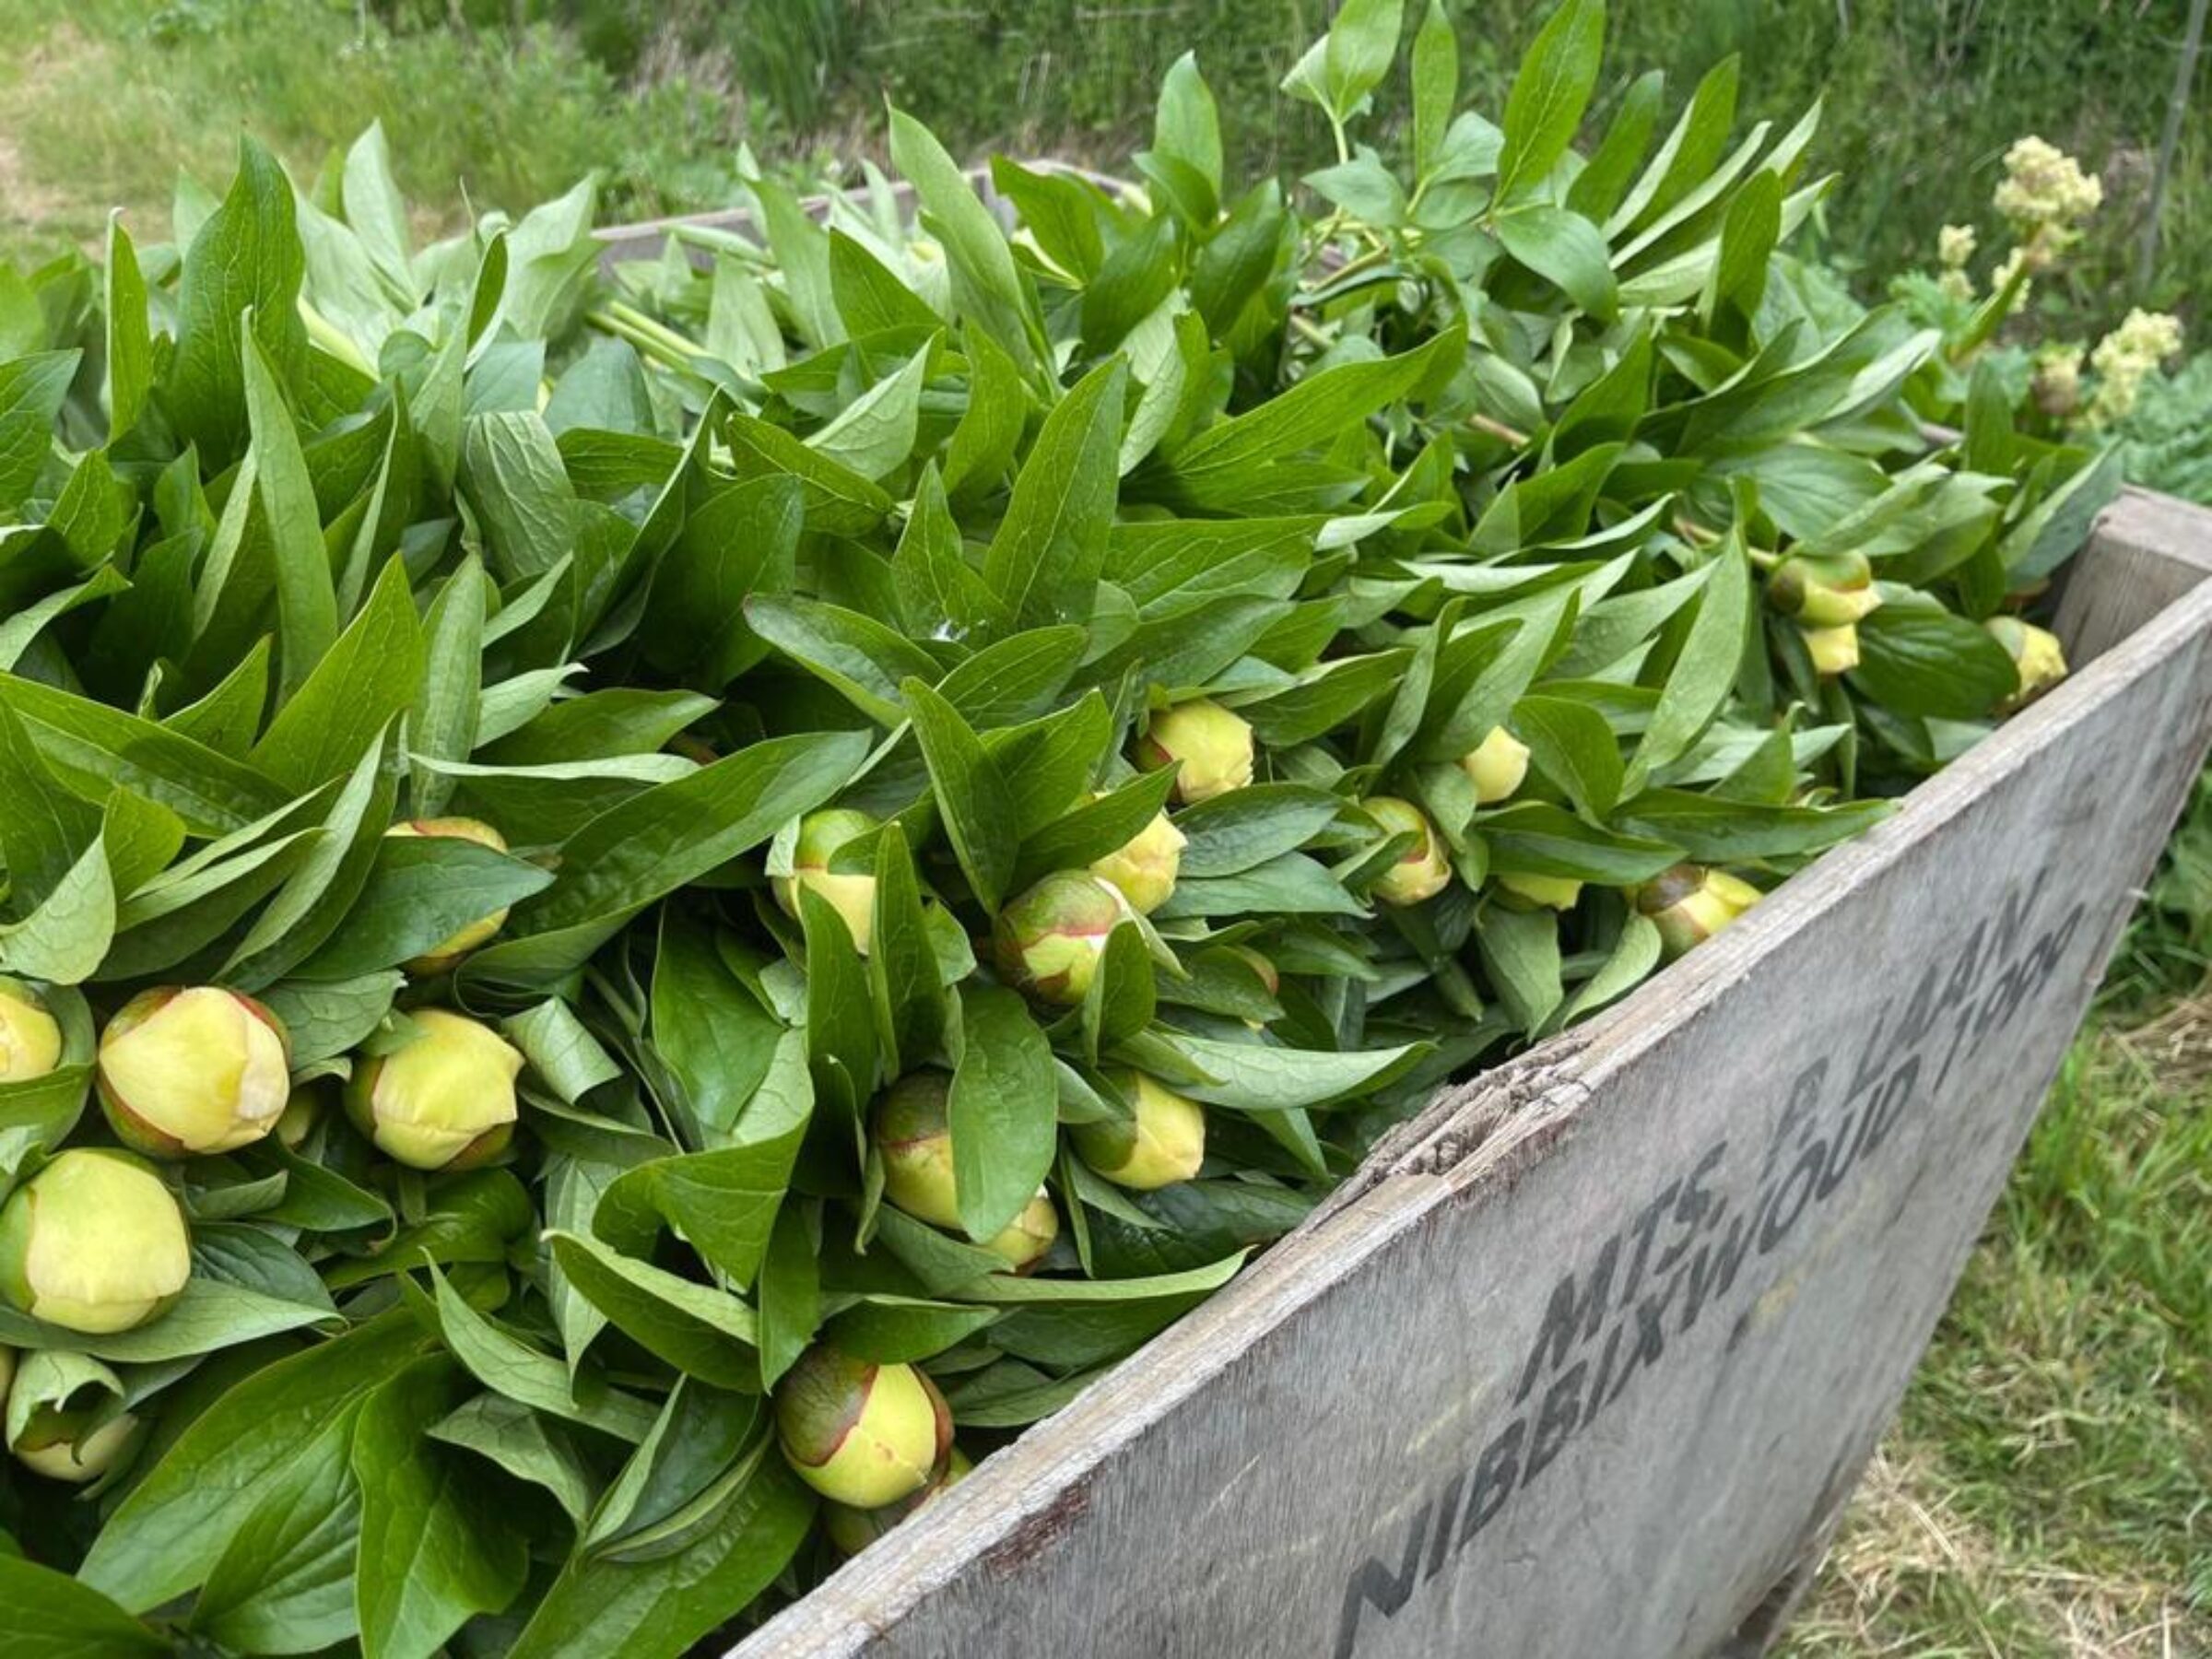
{"x":1690,"y":903}
{"x":1161,"y":1142}
{"x":852,"y":897}
{"x":30,"y":1039}
{"x":912,"y":1132}
{"x":476,"y":934}
{"x":1423,"y":870}
{"x":1824,"y":591}
{"x":1049,"y":940}
{"x":1497,"y":767}
{"x":54,"y":1443}
{"x":852,"y":1530}
{"x":1144,"y":866}
{"x":2038,"y":657}
{"x":861,"y":1434}
{"x":93,"y":1242}
{"x":1833,"y":649}
{"x":192,"y":1071}
{"x":444,"y":1101}
{"x":1213,"y":747}
{"x":1553,"y":892}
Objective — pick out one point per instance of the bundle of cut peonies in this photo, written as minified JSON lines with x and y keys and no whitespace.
{"x":645,"y":910}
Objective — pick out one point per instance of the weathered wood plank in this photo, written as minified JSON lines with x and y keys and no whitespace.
{"x":1595,"y":1352}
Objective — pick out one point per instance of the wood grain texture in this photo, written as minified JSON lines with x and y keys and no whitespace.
{"x":1591,"y":1355}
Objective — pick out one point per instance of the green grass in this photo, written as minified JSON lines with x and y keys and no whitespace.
{"x":2048,"y":1491}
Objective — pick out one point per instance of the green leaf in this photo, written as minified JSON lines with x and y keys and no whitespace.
{"x":1704,"y":672}
{"x":790,"y":1295}
{"x":307,"y":604}
{"x":656,"y":1608}
{"x":48,"y":1615}
{"x":1435,"y":84}
{"x":355,"y":689}
{"x":972,"y":795}
{"x":443,"y":725}
{"x":1520,"y":951}
{"x":1917,"y":659}
{"x":1550,"y":92}
{"x":702,"y":1332}
{"x":987,"y":285}
{"x":712,"y":1033}
{"x":902,"y":966}
{"x":1186,"y":126}
{"x":1567,"y":249}
{"x":1573,"y":744}
{"x":246,"y":258}
{"x":837,"y":501}
{"x":512,"y":1368}
{"x":129,"y":335}
{"x":875,"y":433}
{"x":284,"y":1582}
{"x":1004,"y":1110}
{"x":1045,"y":558}
{"x":659,"y":840}
{"x":1242,"y":829}
{"x":177,"y":1521}
{"x":1264,"y":1077}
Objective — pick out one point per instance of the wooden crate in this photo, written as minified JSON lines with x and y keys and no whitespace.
{"x":1585,"y":1362}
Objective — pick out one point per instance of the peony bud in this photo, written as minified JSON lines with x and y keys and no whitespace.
{"x":479,"y":932}
{"x":852,"y":1530}
{"x":1824,"y":590}
{"x":199,"y":1070}
{"x":1143,"y":867}
{"x":1497,"y":767}
{"x":93,"y":1242}
{"x":30,"y":1039}
{"x":1423,"y":870}
{"x":1833,"y":649}
{"x":852,"y":897}
{"x":1161,"y":1142}
{"x":1214,"y":747}
{"x":49,"y":1443}
{"x":1690,"y":903}
{"x":444,"y":1101}
{"x":1553,"y":892}
{"x":1050,"y":939}
{"x":2036,"y":654}
{"x":913,"y":1131}
{"x":861,"y":1434}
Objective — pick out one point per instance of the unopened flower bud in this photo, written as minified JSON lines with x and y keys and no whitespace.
{"x":1024,"y":1241}
{"x":852,"y":1530}
{"x":479,"y":932}
{"x":93,"y":1242}
{"x":913,"y":1131}
{"x":1824,"y":590}
{"x":859,"y":1433}
{"x":444,"y":1100}
{"x":1213,"y":746}
{"x":1690,"y":903}
{"x":52,"y":1442}
{"x":1144,"y":866}
{"x":1049,"y":940}
{"x":192,"y":1071}
{"x":914,"y":1134}
{"x":1162,"y":1140}
{"x":1497,"y":767}
{"x":30,"y":1039}
{"x":2037,"y":656}
{"x":1833,"y":649}
{"x":854,"y":896}
{"x":1423,"y":870}
{"x":1553,"y":892}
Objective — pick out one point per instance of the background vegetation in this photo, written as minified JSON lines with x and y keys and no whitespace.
{"x":2049,"y":1491}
